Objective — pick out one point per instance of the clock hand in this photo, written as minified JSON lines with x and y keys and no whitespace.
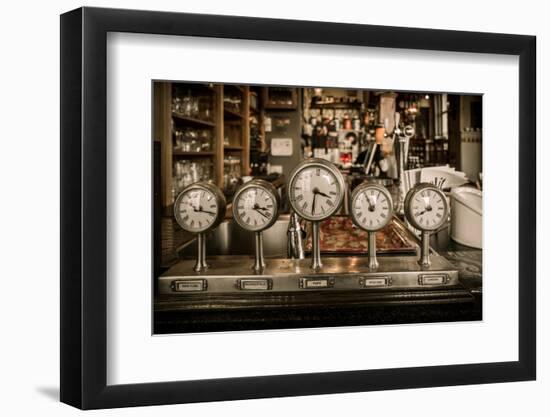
{"x":258,"y":207}
{"x":371,"y":205}
{"x":313,"y":203}
{"x":427,"y":206}
{"x":200,"y":210}
{"x":261,"y":212}
{"x":323,"y":194}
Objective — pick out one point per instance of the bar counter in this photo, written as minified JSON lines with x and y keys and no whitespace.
{"x":226,"y":312}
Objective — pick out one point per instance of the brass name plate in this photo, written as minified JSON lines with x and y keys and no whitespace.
{"x":187,"y":285}
{"x":255,"y":284}
{"x":433,"y":279}
{"x":383,"y":281}
{"x":315,"y":283}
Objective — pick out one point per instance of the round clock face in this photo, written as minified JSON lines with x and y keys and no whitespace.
{"x":316,"y":189}
{"x":426,"y":207}
{"x":199,"y":207}
{"x":371,"y":206}
{"x":256,"y":205}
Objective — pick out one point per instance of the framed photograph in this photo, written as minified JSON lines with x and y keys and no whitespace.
{"x":256,"y":208}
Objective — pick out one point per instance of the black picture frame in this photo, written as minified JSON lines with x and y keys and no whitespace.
{"x":84,"y":193}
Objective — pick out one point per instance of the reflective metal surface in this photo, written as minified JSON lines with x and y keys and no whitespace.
{"x":373,"y":262}
{"x":425,"y":250}
{"x":201,"y":264}
{"x":295,"y":238}
{"x":259,"y":261}
{"x":291,"y":275}
{"x":230,"y":239}
{"x":316,"y":263}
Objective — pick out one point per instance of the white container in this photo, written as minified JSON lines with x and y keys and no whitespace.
{"x":466,"y":216}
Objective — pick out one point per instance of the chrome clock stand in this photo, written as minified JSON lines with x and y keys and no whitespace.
{"x":201,"y":264}
{"x":424,"y":260}
{"x":371,"y":217}
{"x":317,"y":178}
{"x":316,"y":263}
{"x":259,"y":261}
{"x":434,"y":201}
{"x":373,"y":262}
{"x":201,"y":204}
{"x":256,"y":217}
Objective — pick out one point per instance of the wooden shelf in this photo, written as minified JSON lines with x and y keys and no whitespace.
{"x":225,"y":122}
{"x":336,"y":106}
{"x":232,"y":113}
{"x":192,"y":154}
{"x":235,"y":86}
{"x":275,"y":106}
{"x":192,"y":120}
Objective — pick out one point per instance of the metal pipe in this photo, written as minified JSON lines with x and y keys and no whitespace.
{"x":295,"y":245}
{"x":424,"y":260}
{"x":399,"y":207}
{"x":371,"y":157}
{"x":201,"y":264}
{"x":316,"y":263}
{"x":373,"y":262}
{"x":259,"y":261}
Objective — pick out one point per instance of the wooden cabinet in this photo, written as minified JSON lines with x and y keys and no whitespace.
{"x":280,"y":98}
{"x":256,"y":120}
{"x":204,"y":133}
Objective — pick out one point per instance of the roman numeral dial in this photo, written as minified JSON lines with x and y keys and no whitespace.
{"x":315,"y":189}
{"x":426,"y":207}
{"x":255,"y":205}
{"x":371,"y":206}
{"x":199,"y":207}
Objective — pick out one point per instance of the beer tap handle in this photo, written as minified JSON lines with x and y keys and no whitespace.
{"x":397,"y":130}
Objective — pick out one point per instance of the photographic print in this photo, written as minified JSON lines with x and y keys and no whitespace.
{"x":284,"y":210}
{"x":279,"y":207}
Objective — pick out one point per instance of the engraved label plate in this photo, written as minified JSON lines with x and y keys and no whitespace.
{"x":314,"y":283}
{"x":255,"y":284}
{"x":382,"y":281}
{"x":187,"y":285}
{"x":433,"y":279}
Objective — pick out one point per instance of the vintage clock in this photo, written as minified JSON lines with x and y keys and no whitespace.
{"x":316,"y":192}
{"x":426,"y":209}
{"x":371,"y":209}
{"x":199,"y":208}
{"x":256,"y":208}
